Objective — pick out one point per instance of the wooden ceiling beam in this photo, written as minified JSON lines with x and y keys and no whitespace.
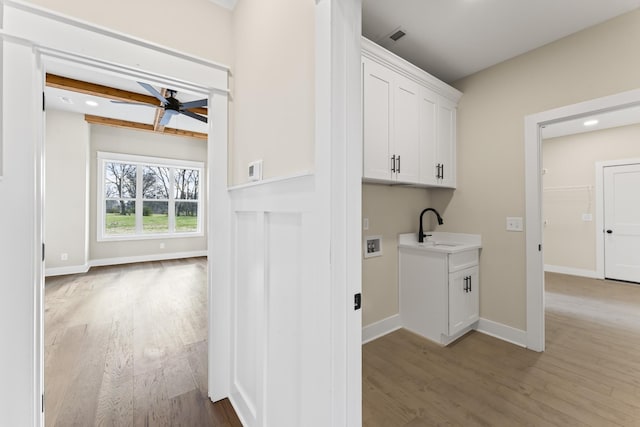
{"x":94,"y":89}
{"x":142,"y":126}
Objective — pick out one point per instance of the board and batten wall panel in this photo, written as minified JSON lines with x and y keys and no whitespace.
{"x":569,"y":191}
{"x":592,"y":63}
{"x":276,"y":369}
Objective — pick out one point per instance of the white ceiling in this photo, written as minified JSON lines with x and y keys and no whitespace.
{"x":56,"y":99}
{"x":452,"y":39}
{"x":605,"y":120}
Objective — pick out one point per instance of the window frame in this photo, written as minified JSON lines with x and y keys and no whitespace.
{"x":141,"y":162}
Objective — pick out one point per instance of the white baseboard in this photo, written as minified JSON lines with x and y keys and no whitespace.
{"x":572,"y":271}
{"x":503,"y":332}
{"x":62,"y":271}
{"x":380,"y":328}
{"x":145,"y":258}
{"x":76,"y":269}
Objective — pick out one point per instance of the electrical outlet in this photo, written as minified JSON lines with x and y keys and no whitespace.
{"x":162,"y":245}
{"x":587,"y":217}
{"x":64,"y":257}
{"x":365,"y":224}
{"x":514,"y":223}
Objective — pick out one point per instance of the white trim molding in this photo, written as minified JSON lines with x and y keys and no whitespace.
{"x":533,"y":198}
{"x":33,"y":37}
{"x":80,"y":269}
{"x":502,"y":332}
{"x":381,"y":328}
{"x":572,"y":271}
{"x":599,"y":209}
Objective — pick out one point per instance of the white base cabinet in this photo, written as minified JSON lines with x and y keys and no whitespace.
{"x":439,"y":293}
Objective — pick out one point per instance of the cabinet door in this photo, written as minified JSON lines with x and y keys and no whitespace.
{"x":377,"y":92}
{"x":428,"y":136}
{"x":406,"y":136}
{"x":463,"y":299}
{"x":446,"y":146}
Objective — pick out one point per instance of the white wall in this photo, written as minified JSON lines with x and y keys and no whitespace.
{"x":71,"y":147}
{"x":570,"y":162}
{"x":273,"y":98}
{"x":66,"y":189}
{"x":391,"y":210}
{"x":118,"y":140}
{"x":596,"y":62}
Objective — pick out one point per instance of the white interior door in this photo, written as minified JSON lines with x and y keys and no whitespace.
{"x":622,"y":222}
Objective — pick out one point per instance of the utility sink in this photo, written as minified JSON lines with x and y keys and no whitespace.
{"x":441,"y":242}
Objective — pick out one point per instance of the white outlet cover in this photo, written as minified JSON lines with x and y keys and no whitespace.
{"x":365,"y":224}
{"x":587,"y":217}
{"x":515,"y":223}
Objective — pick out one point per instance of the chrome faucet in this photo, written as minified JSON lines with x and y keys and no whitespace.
{"x":421,"y":232}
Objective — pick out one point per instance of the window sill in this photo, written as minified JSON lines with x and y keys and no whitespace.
{"x":102,"y":239}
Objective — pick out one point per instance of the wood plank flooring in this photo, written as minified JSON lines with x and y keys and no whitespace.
{"x":589,"y":374}
{"x":127,"y":346}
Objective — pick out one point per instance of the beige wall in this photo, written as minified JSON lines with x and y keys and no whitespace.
{"x":197,"y":27}
{"x":66,"y":189}
{"x":391,"y":210}
{"x":273,"y":87}
{"x":116,"y":140}
{"x":570,"y":162}
{"x":599,"y":61}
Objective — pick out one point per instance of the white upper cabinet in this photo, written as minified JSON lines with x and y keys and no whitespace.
{"x":406,"y":121}
{"x":377,"y":82}
{"x":409,"y":120}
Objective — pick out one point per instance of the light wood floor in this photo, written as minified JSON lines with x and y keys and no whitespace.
{"x":127,"y":346}
{"x":588,"y":376}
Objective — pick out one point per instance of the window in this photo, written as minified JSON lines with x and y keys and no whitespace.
{"x":145,"y":197}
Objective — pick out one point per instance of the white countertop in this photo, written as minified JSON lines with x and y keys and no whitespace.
{"x":441,"y":242}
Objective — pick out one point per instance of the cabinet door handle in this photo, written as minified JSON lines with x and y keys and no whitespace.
{"x":398,"y":164}
{"x":469,"y":283}
{"x":438,"y":171}
{"x":442,"y":171}
{"x":466,"y":285}
{"x":393,"y":163}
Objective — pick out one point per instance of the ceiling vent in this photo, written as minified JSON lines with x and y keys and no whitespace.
{"x":397,"y":35}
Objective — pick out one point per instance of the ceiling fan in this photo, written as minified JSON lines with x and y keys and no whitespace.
{"x":170,"y":104}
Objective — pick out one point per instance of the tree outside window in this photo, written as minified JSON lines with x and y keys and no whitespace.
{"x":147,"y":198}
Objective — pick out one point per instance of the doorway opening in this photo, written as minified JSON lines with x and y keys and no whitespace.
{"x":533,"y":180}
{"x":124,"y":343}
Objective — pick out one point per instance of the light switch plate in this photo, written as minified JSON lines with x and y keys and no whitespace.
{"x":587,"y":217}
{"x":365,"y":223}
{"x":255,"y":171}
{"x":515,"y":223}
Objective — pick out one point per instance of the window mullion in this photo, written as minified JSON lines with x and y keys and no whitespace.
{"x":172,"y":201}
{"x":139,"y":203}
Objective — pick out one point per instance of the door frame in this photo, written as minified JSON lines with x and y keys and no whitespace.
{"x":600,"y":248}
{"x":338,"y":150}
{"x":49,"y":36}
{"x":533,"y":199}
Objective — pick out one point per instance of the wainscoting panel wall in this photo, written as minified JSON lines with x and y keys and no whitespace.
{"x":272,"y":261}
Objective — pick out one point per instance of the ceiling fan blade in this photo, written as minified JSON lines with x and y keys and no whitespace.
{"x":134,"y":103}
{"x":194,"y":116}
{"x":167,"y":117}
{"x":194,"y":104}
{"x":153,"y":92}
